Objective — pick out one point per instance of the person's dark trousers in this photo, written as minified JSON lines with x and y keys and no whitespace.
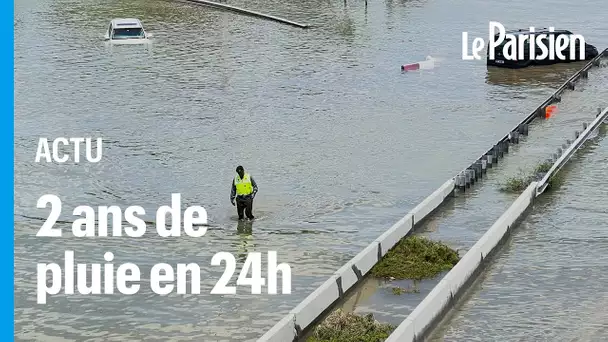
{"x":244,"y":205}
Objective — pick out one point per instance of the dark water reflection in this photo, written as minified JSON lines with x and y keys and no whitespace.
{"x":545,"y":76}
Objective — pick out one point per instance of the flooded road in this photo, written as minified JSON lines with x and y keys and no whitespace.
{"x":548,"y":284}
{"x":340,"y":142}
{"x":463,"y":220}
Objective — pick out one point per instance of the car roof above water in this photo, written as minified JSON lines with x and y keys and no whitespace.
{"x":126,"y":23}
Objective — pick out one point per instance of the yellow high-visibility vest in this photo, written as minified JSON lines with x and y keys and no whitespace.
{"x":243,"y":186}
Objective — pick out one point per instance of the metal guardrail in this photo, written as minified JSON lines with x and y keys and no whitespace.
{"x":467,"y":177}
{"x":247,"y":12}
{"x":569,"y":152}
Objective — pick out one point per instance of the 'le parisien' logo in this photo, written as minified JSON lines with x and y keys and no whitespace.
{"x":514,"y":48}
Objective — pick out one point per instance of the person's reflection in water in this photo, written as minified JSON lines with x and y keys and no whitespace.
{"x":244,"y":230}
{"x":244,"y":227}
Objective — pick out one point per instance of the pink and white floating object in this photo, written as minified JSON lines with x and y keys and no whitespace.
{"x":427,"y":64}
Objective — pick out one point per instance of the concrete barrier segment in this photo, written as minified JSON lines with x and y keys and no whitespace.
{"x":346,"y":277}
{"x":366,"y":259}
{"x":431,"y":307}
{"x":433,"y":201}
{"x":395,"y":233}
{"x":283,"y":331}
{"x":316,"y":303}
{"x":403,"y":333}
{"x":463,"y":270}
{"x":435,"y":303}
{"x":247,"y":12}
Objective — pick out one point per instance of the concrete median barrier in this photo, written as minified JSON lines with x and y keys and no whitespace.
{"x":400,"y":229}
{"x":315,"y":304}
{"x":436,"y":301}
{"x":463,"y":270}
{"x":318,"y":302}
{"x":432,"y":202}
{"x":283,"y":331}
{"x":443,"y":296}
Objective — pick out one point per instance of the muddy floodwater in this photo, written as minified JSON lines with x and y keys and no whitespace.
{"x":341,"y":144}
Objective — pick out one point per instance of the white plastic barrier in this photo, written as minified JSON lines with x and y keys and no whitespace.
{"x":301,"y":318}
{"x":436,"y":303}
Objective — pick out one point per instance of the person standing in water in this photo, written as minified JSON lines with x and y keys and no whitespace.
{"x":243,"y":191}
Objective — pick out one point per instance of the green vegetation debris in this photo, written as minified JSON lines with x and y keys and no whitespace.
{"x":543,"y":167}
{"x":400,"y":290}
{"x":520,"y":182}
{"x":340,"y":326}
{"x":517,"y":183}
{"x":555,"y":181}
{"x":416,"y":257}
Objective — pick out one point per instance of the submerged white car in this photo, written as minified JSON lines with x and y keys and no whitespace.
{"x":127,"y":31}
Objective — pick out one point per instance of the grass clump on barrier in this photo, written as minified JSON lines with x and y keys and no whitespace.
{"x":340,"y":326}
{"x":416,"y":257}
{"x":520,"y":182}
